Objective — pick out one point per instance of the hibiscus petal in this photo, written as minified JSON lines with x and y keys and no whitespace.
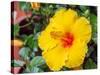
{"x":63,"y":19}
{"x":69,"y":17}
{"x":45,"y":41}
{"x":82,"y":29}
{"x":76,"y":54}
{"x":55,"y":58}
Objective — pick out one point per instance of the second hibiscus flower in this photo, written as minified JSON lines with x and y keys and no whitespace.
{"x":64,"y":40}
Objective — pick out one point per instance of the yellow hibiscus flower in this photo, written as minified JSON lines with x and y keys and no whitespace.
{"x":64,"y":40}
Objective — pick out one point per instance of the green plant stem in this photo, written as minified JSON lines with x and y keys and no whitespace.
{"x":26,"y":25}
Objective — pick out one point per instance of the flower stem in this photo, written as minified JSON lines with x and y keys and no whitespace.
{"x":26,"y":25}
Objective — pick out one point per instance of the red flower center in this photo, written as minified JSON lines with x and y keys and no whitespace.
{"x":67,"y":40}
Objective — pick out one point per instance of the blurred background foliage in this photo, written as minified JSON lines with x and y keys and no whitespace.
{"x":28,"y":29}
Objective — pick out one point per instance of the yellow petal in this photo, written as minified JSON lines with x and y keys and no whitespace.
{"x":45,"y":41}
{"x":59,"y":13}
{"x":82,"y":29}
{"x":55,"y":27}
{"x":55,"y":58}
{"x":76,"y":54}
{"x":69,"y":17}
{"x":63,"y":19}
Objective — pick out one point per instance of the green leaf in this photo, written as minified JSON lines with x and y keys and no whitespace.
{"x":24,"y":37}
{"x":83,"y":8}
{"x":93,"y":21}
{"x":35,"y":49}
{"x":17,"y":63}
{"x":32,"y":54}
{"x":90,"y":50}
{"x":24,"y":53}
{"x":37,"y":61}
{"x":90,"y":64}
{"x":35,"y":69}
{"x":16,"y":29}
{"x":34,"y":64}
{"x":25,"y":6}
{"x":29,"y":41}
{"x":86,"y":13}
{"x":65,"y":68}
